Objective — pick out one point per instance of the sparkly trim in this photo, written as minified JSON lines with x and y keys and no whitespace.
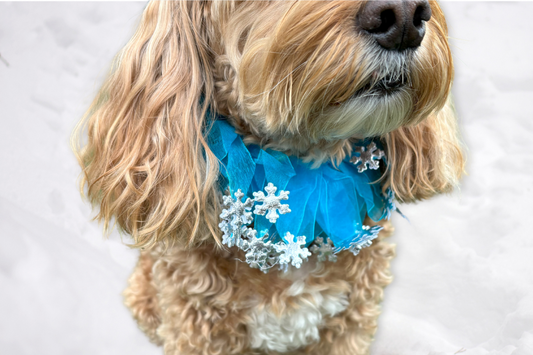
{"x":328,"y":203}
{"x":262,"y":253}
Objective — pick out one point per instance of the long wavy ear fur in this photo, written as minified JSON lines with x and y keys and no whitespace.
{"x":425,"y":159}
{"x":144,"y":163}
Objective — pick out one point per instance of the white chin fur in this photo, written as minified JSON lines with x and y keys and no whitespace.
{"x":369,"y":115}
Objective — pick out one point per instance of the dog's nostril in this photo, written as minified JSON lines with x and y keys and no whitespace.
{"x":417,"y":18}
{"x":422,"y":14}
{"x":387,"y":21}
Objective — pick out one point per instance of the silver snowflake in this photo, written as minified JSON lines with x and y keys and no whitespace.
{"x":324,"y":250}
{"x":242,"y":243}
{"x":235,"y":218}
{"x":292,"y":252}
{"x":260,"y":254}
{"x":366,"y":236}
{"x":238,"y":237}
{"x":367,"y":156}
{"x":271,"y":203}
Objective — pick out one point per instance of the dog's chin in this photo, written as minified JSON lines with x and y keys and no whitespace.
{"x":371,"y":111}
{"x":383,"y":88}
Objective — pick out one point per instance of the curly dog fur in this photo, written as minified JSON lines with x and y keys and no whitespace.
{"x":208,"y":296}
{"x":294,"y":76}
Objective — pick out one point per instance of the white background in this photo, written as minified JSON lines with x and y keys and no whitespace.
{"x":464,"y":271}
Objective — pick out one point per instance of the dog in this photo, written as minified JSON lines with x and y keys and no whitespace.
{"x":304,"y":81}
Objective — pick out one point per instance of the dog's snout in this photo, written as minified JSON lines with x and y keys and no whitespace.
{"x":396,"y":25}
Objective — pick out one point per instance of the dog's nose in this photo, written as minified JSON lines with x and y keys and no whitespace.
{"x":396,"y":25}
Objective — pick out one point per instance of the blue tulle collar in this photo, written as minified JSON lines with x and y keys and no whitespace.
{"x":327,"y":205}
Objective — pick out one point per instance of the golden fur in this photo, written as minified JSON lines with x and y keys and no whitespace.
{"x":286,"y":75}
{"x":206,"y":296}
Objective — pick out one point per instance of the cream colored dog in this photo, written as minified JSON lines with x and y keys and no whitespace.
{"x":306,"y":78}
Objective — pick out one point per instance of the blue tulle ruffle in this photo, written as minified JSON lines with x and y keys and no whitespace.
{"x":328,"y":200}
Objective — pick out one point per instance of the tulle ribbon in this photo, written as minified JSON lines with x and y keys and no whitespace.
{"x":327,"y":200}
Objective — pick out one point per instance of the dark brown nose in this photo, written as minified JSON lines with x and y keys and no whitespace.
{"x":396,"y":25}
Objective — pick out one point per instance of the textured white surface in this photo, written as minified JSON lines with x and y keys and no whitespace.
{"x":464,"y":271}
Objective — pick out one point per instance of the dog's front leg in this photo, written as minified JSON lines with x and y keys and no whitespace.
{"x":202,"y":310}
{"x":141,"y":298}
{"x":369,"y":273}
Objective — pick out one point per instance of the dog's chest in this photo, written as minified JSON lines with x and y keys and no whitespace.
{"x":294,"y":320}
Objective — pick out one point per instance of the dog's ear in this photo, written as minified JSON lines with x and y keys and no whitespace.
{"x":144,"y":163}
{"x":425,"y":159}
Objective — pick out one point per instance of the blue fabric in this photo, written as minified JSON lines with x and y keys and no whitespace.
{"x":328,"y":200}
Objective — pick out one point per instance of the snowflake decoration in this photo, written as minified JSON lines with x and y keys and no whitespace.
{"x":366,"y":236}
{"x":367,"y":156}
{"x":324,"y":250}
{"x":242,"y":243}
{"x":235,"y":218}
{"x":292,"y":252}
{"x":236,"y":238}
{"x":260,"y":254}
{"x":271,"y":203}
{"x":228,"y":236}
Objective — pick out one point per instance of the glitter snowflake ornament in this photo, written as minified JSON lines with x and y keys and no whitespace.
{"x":293,"y":251}
{"x":271,"y":203}
{"x":324,"y":250}
{"x":228,"y":237}
{"x":260,"y":253}
{"x":237,"y":237}
{"x":247,"y":234}
{"x":368,"y":157}
{"x":235,"y":218}
{"x":366,"y":236}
